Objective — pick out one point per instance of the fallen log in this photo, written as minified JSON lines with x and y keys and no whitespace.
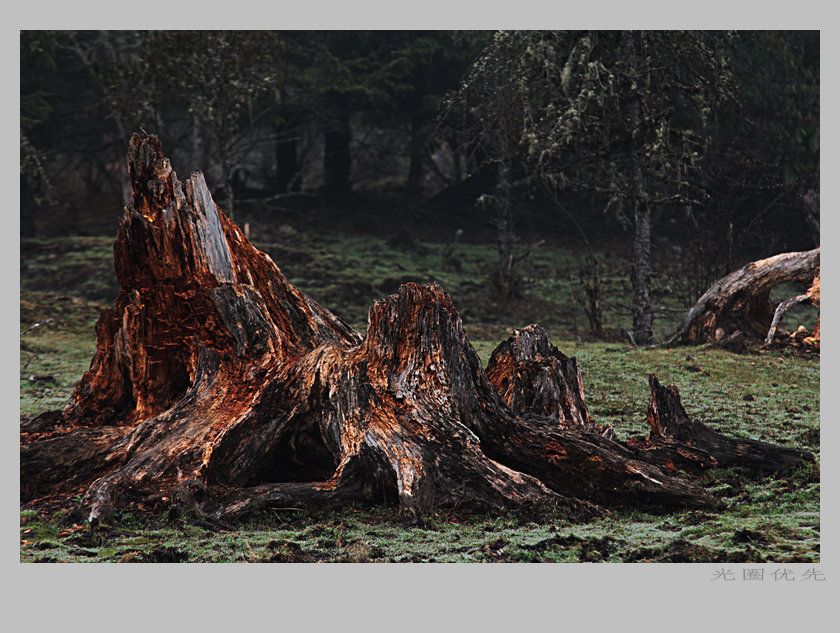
{"x":738,"y":306}
{"x":221,"y":387}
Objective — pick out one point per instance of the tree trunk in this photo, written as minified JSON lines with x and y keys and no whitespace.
{"x":641,"y":308}
{"x":217,"y":385}
{"x":591,"y":282}
{"x":508,"y":281}
{"x":288,"y":168}
{"x":640,"y":277}
{"x":415,"y":165}
{"x":534,"y":377}
{"x":739,"y":305}
{"x":337,"y":154}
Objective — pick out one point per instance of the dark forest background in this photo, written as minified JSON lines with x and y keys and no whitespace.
{"x":685,"y":153}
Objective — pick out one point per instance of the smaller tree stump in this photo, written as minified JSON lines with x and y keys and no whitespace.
{"x":676,"y":441}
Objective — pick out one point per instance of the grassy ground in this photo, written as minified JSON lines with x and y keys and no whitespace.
{"x":772,"y":396}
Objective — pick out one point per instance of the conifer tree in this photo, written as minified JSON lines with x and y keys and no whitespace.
{"x":622,"y":113}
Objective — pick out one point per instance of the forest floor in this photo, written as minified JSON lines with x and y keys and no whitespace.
{"x":770,"y":395}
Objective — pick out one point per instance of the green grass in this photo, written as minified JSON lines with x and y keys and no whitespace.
{"x":771,"y":396}
{"x":347,"y":273}
{"x":54,"y":355}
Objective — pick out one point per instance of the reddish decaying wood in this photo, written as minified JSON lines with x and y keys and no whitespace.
{"x":533,"y":376}
{"x":218,"y":384}
{"x":739,"y":304}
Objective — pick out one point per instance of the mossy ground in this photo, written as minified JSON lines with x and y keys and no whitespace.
{"x":768,"y":520}
{"x":767,"y":395}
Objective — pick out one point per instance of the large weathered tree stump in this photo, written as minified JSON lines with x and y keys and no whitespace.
{"x":738,"y":305}
{"x":218,"y":385}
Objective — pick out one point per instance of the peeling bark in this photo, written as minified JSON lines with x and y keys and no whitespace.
{"x":220,"y":385}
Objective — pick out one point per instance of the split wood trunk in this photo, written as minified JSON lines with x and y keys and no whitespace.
{"x":219,"y":386}
{"x":677,"y":442}
{"x":738,"y":306}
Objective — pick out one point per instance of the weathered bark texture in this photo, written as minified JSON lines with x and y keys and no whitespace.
{"x":677,"y":442}
{"x":219,"y":386}
{"x":533,"y":376}
{"x":739,"y":305}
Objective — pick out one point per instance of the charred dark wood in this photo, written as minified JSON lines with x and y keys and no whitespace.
{"x":218,"y":384}
{"x":678,"y":442}
{"x":73,"y":458}
{"x":587,"y":465}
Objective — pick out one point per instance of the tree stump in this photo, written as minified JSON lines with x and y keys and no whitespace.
{"x":534,"y":377}
{"x":218,"y":385}
{"x":678,"y":442}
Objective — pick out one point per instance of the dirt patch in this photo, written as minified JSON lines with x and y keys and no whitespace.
{"x":590,"y":550}
{"x":811,"y":437}
{"x":730,"y":490}
{"x":286,"y":552}
{"x":42,"y":545}
{"x":356,"y":552}
{"x":749,"y":536}
{"x":682,"y":551}
{"x":82,"y":540}
{"x":696,"y":517}
{"x":554,"y":541}
{"x":596,"y":549}
{"x":162,"y":555}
